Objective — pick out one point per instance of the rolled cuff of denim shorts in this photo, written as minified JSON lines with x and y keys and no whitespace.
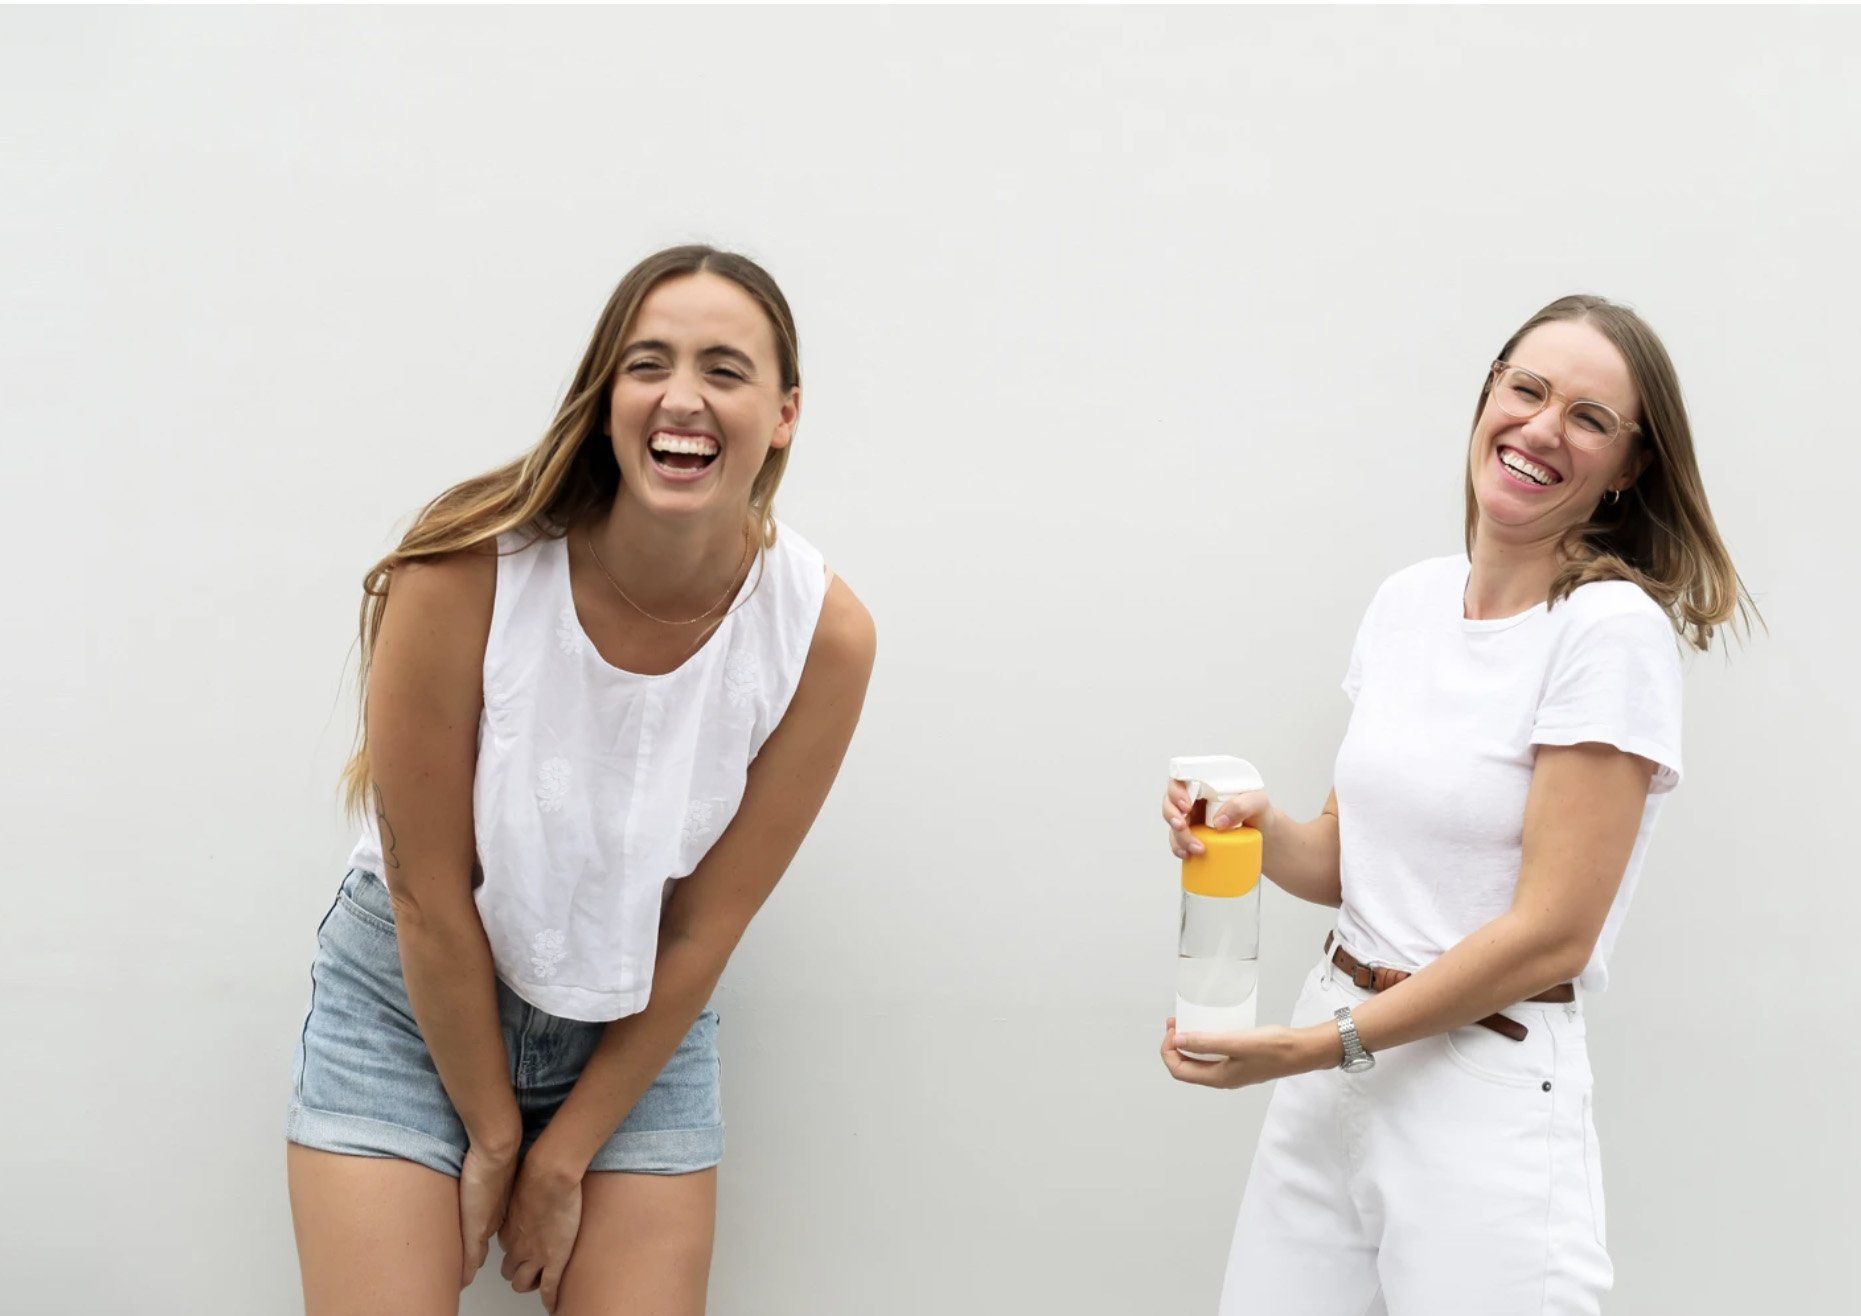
{"x":357,"y":1135}
{"x":662,"y":1151}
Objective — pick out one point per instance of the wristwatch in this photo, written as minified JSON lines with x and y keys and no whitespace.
{"x":1356,"y":1059}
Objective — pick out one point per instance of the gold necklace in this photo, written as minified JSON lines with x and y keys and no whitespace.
{"x":724,"y":598}
{"x":711,"y":629}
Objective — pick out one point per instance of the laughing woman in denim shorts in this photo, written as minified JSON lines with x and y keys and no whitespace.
{"x":606,"y":695}
{"x":1429,"y":1148}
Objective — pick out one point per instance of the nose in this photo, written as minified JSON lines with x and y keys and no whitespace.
{"x":682,"y":399}
{"x":1546,"y":429}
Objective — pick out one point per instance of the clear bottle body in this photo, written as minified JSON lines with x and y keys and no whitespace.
{"x":1218,"y":963}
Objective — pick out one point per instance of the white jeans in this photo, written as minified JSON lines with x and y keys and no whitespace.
{"x":1460,"y":1175}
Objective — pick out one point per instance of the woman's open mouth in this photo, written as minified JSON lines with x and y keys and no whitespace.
{"x":1521,"y":469}
{"x":681,"y":455}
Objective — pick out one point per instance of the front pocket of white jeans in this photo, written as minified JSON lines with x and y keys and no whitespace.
{"x":1496,"y":1058}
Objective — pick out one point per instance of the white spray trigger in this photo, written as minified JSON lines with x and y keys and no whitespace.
{"x":1215,"y":778}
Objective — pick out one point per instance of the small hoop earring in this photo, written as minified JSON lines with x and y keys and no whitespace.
{"x":1612,"y":497}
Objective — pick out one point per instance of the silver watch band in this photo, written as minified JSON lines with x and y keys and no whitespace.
{"x":1356,"y":1059}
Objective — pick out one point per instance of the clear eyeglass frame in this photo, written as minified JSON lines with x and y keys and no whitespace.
{"x":1611,"y":426}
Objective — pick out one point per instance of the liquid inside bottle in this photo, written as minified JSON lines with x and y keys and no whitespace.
{"x":1218,"y":963}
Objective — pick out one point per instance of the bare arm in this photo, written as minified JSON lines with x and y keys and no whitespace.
{"x":1581,"y":817}
{"x":709,"y":911}
{"x":1580,"y":823}
{"x":1302,"y":857}
{"x":425,"y":693}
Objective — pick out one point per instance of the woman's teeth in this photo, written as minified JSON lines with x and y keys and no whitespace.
{"x":1526,"y":468}
{"x":696,"y":445}
{"x":683,"y":452}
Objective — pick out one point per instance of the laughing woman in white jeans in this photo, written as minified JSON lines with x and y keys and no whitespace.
{"x":1516,"y":726}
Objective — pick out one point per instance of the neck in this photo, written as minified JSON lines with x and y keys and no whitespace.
{"x":671,"y":567}
{"x":1509,"y":576}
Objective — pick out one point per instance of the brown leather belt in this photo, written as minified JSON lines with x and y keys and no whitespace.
{"x":1382,"y":979}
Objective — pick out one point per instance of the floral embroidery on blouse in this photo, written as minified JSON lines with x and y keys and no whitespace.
{"x":552,"y":784}
{"x":566,"y":626}
{"x":740,"y":678}
{"x":547,"y":950}
{"x":699,"y":815}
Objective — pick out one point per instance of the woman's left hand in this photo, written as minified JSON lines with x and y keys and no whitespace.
{"x":1258,"y":1055}
{"x":540,"y":1227}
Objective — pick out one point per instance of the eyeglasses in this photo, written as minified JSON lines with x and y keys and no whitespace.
{"x":1521,"y":394}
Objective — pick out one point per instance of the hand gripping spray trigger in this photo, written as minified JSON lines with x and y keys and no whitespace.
{"x":1218,"y":955}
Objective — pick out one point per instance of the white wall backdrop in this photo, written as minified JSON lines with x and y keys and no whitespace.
{"x":1139,"y":345}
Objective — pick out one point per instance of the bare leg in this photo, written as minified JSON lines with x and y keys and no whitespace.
{"x":374,"y":1235}
{"x":644,"y":1247}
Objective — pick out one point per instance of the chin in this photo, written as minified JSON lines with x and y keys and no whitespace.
{"x":672,"y":505}
{"x":681,"y":504}
{"x":1525,"y":523}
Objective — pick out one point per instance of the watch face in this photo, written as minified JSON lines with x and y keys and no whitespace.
{"x":1360,"y":1063}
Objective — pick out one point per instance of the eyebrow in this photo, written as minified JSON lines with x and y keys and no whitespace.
{"x":1553,"y":383}
{"x":715,"y":350}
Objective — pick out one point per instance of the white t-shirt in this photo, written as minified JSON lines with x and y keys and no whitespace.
{"x":1434,"y":770}
{"x":596,"y":788}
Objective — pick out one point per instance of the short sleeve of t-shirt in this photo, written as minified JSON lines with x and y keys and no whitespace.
{"x":1353,"y":675}
{"x":1615,"y":678}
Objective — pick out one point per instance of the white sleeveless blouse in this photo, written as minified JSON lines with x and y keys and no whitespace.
{"x":597,"y":787}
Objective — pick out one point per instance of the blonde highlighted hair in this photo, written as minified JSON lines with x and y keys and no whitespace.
{"x":1659,"y":533}
{"x":571,"y":474}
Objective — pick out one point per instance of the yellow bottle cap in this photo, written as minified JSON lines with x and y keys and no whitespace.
{"x":1229,"y":864}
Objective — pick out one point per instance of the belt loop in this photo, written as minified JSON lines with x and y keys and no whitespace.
{"x":1330,"y":969}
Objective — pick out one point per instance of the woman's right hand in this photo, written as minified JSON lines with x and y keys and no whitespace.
{"x":484,"y":1192}
{"x":1248,"y":809}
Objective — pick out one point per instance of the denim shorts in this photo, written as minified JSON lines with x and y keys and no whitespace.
{"x":363,"y":1082}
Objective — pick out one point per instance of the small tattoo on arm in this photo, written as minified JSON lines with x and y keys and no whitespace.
{"x":388,"y":841}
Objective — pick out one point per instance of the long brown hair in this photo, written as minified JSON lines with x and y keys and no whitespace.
{"x":566,"y":478}
{"x":1660,"y":533}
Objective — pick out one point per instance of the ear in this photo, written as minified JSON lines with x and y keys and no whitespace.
{"x":789,"y":417}
{"x":1633,"y":469}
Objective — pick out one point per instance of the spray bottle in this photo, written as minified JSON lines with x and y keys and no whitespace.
{"x":1217,"y":965}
